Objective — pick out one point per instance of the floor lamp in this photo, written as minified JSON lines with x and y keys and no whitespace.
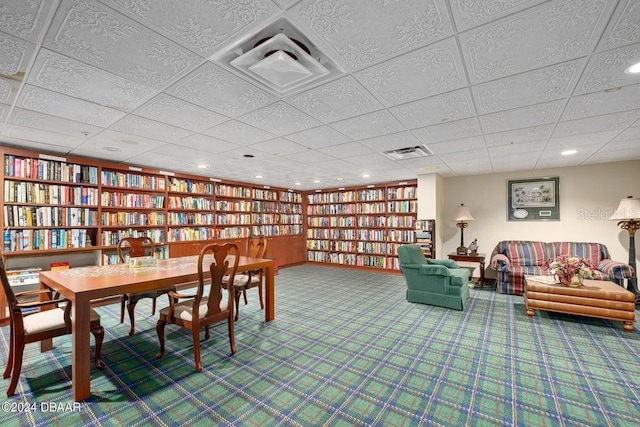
{"x":628,"y":217}
{"x":463,"y":217}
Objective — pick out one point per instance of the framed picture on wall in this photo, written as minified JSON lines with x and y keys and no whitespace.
{"x":536,"y":199}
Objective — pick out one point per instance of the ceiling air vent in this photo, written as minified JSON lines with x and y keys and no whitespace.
{"x":408,"y":153}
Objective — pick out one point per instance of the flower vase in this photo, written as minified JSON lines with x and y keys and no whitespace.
{"x":571,"y":280}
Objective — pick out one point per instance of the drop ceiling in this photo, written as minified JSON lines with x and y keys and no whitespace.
{"x":485,"y":86}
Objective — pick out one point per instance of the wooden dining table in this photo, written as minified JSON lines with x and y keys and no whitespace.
{"x":81,"y":285}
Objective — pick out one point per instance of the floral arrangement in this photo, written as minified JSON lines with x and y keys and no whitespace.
{"x":571,"y":270}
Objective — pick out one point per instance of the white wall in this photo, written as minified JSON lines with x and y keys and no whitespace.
{"x":588,"y":196}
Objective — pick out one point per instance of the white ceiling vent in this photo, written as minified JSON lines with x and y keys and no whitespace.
{"x":280,"y":58}
{"x":408,"y":153}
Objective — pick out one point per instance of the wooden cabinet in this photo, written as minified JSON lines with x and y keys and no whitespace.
{"x":361,"y":226}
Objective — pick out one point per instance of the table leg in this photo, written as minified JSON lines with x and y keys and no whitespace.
{"x":270,"y":310}
{"x":81,"y":352}
{"x":47,"y":344}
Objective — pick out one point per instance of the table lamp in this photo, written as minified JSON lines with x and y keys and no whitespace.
{"x":628,"y":217}
{"x":462,"y":216}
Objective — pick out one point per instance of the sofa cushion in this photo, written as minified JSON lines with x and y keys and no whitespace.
{"x":449,"y":263}
{"x":594,"y":252}
{"x":527,"y":253}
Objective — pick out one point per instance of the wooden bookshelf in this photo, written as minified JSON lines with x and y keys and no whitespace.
{"x":361,"y":226}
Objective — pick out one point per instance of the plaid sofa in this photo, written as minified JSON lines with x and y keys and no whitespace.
{"x":512,"y":259}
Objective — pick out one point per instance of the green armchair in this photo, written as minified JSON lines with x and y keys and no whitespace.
{"x":438,"y":282}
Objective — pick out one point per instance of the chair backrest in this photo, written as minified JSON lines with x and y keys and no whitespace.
{"x":410,"y":254}
{"x":256,"y":246}
{"x":8,"y":291}
{"x":215,"y":257}
{"x":135,"y":247}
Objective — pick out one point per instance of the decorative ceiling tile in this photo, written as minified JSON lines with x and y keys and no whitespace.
{"x":200,"y":25}
{"x":473,"y":143}
{"x":312,"y":157}
{"x":553,"y":32}
{"x":599,"y":103}
{"x":623,"y":27}
{"x":471,"y":13}
{"x":399,"y":26}
{"x":24,"y":19}
{"x":55,"y":104}
{"x":116,"y":145}
{"x":391,"y":142}
{"x":347,"y":150}
{"x":372,"y":159}
{"x":623,"y":144}
{"x":478,"y":156}
{"x":518,"y":136}
{"x":578,"y":141}
{"x":633,"y":133}
{"x":93,"y":33}
{"x":521,"y":148}
{"x":238,"y":133}
{"x":41,"y":135}
{"x":596,"y":124}
{"x":509,"y":166}
{"x":36,"y":120}
{"x":369,"y":125}
{"x":15,"y":55}
{"x":613,"y":156}
{"x":522,"y":117}
{"x":70,"y":77}
{"x":205,"y":143}
{"x":422,"y":73}
{"x":141,"y":126}
{"x":498,"y":159}
{"x":448,"y":131}
{"x":279,"y":147}
{"x":4,"y":111}
{"x":219,"y":90}
{"x":336,"y":100}
{"x":176,"y":112}
{"x":279,"y":119}
{"x":534,"y":87}
{"x":435,"y":110}
{"x":607,"y":70}
{"x":319,"y":137}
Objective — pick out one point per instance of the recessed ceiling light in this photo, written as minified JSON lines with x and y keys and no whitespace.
{"x":568,"y":152}
{"x":296,"y":183}
{"x":365,"y":175}
{"x":202,"y":166}
{"x":316,"y":181}
{"x":112,"y":149}
{"x":634,"y":69}
{"x":258,"y":176}
{"x":339,"y":179}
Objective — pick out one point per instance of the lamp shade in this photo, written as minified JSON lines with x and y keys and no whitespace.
{"x":462,"y":214}
{"x":628,"y":210}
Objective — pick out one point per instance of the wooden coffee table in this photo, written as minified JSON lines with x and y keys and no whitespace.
{"x":597,"y":298}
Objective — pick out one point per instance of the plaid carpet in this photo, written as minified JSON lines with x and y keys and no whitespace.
{"x":347,"y":349}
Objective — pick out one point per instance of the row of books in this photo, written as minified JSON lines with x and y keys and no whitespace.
{"x":131,"y":219}
{"x":187,"y":186}
{"x":39,"y":193}
{"x":131,"y":200}
{"x":27,"y":240}
{"x":196,"y":203}
{"x":49,"y":216}
{"x":49,"y":170}
{"x":132,"y":180}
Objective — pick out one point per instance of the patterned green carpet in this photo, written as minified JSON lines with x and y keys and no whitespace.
{"x":347,"y":349}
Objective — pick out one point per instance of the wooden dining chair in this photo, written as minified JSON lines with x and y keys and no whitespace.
{"x":27,"y":324}
{"x":200,"y":310}
{"x":133,"y":247}
{"x":256,"y":248}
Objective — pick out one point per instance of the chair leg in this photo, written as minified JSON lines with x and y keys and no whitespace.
{"x":195,"y":333}
{"x":153,"y":306}
{"x":18,"y":348}
{"x":207,"y":334}
{"x":123,"y":299}
{"x":232,"y":339}
{"x":130,"y":308}
{"x":244,"y":293}
{"x":260,"y":296}
{"x":98,"y":334}
{"x":7,"y":370}
{"x":237,"y":298}
{"x":160,"y":331}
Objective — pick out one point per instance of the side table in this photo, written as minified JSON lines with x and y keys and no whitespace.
{"x":477,"y":258}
